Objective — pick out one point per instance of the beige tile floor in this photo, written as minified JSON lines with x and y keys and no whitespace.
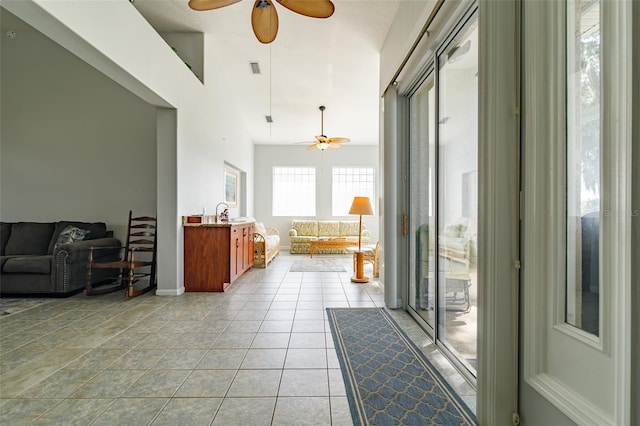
{"x":259,"y":354}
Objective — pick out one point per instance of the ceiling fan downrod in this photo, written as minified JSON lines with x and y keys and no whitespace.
{"x":322,"y":108}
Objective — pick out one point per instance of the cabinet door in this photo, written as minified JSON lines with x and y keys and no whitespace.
{"x":206,"y":259}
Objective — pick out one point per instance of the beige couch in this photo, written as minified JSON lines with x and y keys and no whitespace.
{"x":304,"y":231}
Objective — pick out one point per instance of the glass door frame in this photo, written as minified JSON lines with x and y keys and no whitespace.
{"x":424,"y":79}
{"x":430,"y":70}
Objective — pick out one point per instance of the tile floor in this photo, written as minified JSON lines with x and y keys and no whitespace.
{"x":259,"y":354}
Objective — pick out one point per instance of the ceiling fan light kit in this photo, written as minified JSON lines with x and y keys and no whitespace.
{"x":322,"y":142}
{"x":264,"y":17}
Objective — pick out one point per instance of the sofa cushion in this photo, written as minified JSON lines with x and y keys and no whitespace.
{"x":96,"y":230}
{"x":3,"y":259}
{"x":272,"y":241}
{"x":455,"y":230}
{"x":29,"y":238}
{"x":350,"y":228}
{"x":5,"y":231}
{"x":27,"y":265}
{"x":328,"y":228}
{"x":454,"y":243}
{"x":71,"y":234}
{"x":303,"y":239}
{"x":306,"y":227}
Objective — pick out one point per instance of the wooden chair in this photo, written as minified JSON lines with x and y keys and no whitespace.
{"x":138,"y":260}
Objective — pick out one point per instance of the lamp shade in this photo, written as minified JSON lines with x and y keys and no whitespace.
{"x":361,"y":205}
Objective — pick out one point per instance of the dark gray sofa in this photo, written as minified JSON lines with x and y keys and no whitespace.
{"x":30,"y":262}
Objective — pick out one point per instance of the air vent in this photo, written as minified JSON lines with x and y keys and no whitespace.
{"x":268,"y":118}
{"x":255,"y":67}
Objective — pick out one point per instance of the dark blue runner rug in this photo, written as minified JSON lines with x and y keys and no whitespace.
{"x":389,"y":381}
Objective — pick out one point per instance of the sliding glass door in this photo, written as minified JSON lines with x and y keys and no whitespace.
{"x":443,"y":180}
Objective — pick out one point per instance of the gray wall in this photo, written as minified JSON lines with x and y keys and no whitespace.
{"x":74,"y":144}
{"x":269,"y":156}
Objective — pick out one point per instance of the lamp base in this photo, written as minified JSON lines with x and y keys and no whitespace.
{"x":359,"y":277}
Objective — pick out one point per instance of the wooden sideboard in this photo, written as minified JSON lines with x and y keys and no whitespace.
{"x":215,"y":255}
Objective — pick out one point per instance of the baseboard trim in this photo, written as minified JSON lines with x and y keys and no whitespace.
{"x":169,"y":292}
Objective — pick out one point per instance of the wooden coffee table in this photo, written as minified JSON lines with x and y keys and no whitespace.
{"x":339,"y":243}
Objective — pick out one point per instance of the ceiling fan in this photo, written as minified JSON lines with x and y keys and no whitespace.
{"x":264,"y":18}
{"x":322,"y":142}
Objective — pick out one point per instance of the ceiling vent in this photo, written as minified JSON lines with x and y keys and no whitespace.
{"x":255,"y":67}
{"x":268,"y":118}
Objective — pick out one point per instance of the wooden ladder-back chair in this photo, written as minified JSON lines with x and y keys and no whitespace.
{"x":138,"y":260}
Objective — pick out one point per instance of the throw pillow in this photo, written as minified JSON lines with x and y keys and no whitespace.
{"x":71,"y":234}
{"x":260,"y":228}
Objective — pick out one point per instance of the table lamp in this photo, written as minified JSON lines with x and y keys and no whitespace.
{"x":360,"y":206}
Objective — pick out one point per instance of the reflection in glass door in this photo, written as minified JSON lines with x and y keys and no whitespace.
{"x":457,"y":195}
{"x":443,"y":164}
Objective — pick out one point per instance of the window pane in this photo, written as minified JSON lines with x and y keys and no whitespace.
{"x":583,"y":164}
{"x":294,"y":191}
{"x":349,"y":182}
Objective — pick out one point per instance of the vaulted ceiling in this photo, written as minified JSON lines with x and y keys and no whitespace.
{"x":312,"y":62}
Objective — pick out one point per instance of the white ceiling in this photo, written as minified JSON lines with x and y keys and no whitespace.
{"x":332,"y":62}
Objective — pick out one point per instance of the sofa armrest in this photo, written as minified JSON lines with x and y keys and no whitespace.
{"x":79,"y":250}
{"x":366,"y":233}
{"x":272,"y":231}
{"x":293,"y":233}
{"x":70,"y":262}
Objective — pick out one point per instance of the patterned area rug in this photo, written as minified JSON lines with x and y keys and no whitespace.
{"x":389,"y":381}
{"x":317,"y":265}
{"x":10,"y":306}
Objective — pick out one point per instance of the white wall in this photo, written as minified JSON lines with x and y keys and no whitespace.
{"x":271,"y":156}
{"x":74,"y":145}
{"x":203,"y":133}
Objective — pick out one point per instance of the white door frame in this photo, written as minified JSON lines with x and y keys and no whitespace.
{"x":586,"y":377}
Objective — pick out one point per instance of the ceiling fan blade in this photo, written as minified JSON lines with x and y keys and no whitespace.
{"x":321,"y":138}
{"x":311,"y":8}
{"x":210,"y":4}
{"x":313,"y":145}
{"x":264,"y":20}
{"x":339,"y":140}
{"x":334,"y":145}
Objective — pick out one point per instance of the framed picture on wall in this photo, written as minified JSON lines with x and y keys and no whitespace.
{"x":231,"y":187}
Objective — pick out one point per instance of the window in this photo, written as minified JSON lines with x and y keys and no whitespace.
{"x":583,"y":164}
{"x":294,"y":191}
{"x":349,"y":182}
